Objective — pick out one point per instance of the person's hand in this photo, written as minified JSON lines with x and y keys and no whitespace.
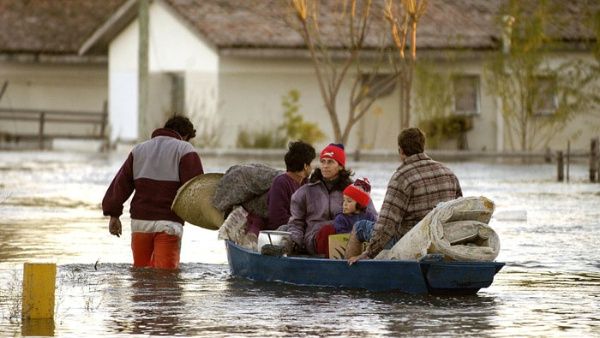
{"x":114,"y":226}
{"x":355,"y":259}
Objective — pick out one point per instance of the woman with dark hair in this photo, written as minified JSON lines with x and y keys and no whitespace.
{"x":315,"y":205}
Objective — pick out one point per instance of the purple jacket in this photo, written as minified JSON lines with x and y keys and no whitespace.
{"x":279,"y":200}
{"x":312,"y":207}
{"x":343,"y":223}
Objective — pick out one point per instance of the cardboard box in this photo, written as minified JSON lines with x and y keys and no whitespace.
{"x":337,"y":245}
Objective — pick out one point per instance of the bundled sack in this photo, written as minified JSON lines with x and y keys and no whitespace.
{"x":457,"y":229}
{"x":234,"y":229}
{"x":246,"y":185}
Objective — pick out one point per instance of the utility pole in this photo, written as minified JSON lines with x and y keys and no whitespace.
{"x":144,"y":27}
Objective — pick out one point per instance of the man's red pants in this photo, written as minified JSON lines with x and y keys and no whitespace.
{"x":156,"y":250}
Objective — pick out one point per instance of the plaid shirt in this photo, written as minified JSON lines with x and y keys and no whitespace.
{"x":416,"y":187}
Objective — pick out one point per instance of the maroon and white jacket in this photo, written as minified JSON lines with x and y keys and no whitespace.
{"x":155,"y":169}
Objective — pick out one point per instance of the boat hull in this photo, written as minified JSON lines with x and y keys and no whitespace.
{"x":374,"y":275}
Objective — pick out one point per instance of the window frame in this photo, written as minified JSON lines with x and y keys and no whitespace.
{"x":537,"y":111}
{"x":379,"y":77}
{"x":477,"y":78}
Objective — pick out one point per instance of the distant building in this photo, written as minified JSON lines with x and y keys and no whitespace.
{"x":40,"y":68}
{"x":228,"y":63}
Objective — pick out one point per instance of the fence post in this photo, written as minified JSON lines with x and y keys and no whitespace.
{"x":560,"y":166}
{"x":548,"y":155}
{"x":41,"y":130}
{"x":38,"y":290}
{"x":568,"y":160}
{"x":104,"y":119}
{"x":594,"y":149}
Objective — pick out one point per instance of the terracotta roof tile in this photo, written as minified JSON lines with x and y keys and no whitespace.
{"x":446,"y":24}
{"x":50,"y":26}
{"x":62,"y":26}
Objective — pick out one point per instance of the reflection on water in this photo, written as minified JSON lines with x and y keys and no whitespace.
{"x":49,"y":208}
{"x":154,"y":306}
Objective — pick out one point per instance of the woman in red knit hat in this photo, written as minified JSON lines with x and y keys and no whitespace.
{"x":315,"y":205}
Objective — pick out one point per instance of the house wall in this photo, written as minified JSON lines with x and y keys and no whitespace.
{"x":250,"y":97}
{"x":251,"y":89}
{"x":225,"y":94}
{"x":484,"y":135}
{"x":578,"y":131}
{"x":486,"y":126}
{"x":52,"y":86}
{"x":586,"y":124}
{"x":123,"y":85}
{"x":173,"y":48}
{"x":159,"y":90}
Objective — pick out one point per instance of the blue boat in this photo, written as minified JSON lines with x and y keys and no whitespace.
{"x":422,"y":277}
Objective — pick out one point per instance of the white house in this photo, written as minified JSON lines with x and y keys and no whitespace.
{"x":41,"y":71}
{"x":228,"y":63}
{"x":237,"y":59}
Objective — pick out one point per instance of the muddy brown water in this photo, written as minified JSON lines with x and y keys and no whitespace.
{"x":49,"y":212}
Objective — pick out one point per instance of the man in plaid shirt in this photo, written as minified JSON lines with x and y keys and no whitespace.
{"x":416,"y":187}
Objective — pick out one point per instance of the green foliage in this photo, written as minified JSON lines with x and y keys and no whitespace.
{"x":594,"y":21}
{"x":440,"y":128}
{"x":433,"y":103}
{"x":294,"y":127}
{"x":433,"y":95}
{"x":514,"y":76}
{"x":262,"y":139}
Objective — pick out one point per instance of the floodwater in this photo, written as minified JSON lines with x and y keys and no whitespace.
{"x":50,"y":212}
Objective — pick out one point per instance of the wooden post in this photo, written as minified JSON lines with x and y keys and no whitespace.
{"x":37,"y":327}
{"x":3,"y":89}
{"x":560,"y":166}
{"x":568,"y":160}
{"x":357,"y":154}
{"x":38,"y":290}
{"x":144,"y":27}
{"x":104,"y":120}
{"x":548,"y":155}
{"x":41,"y":130}
{"x":594,"y":158}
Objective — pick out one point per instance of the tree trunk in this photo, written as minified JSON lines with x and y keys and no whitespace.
{"x":337,"y":131}
{"x":405,"y":92}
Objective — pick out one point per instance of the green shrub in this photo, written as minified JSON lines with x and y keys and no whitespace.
{"x":447,"y":127}
{"x":293,"y":128}
{"x":262,"y":139}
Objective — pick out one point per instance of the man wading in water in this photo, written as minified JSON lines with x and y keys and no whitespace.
{"x":155,"y":169}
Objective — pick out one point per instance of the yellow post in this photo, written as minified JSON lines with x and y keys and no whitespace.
{"x":38,"y":290}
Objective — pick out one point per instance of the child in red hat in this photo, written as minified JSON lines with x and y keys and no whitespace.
{"x":356,"y":200}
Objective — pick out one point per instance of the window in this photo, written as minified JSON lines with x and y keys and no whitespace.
{"x":466,"y":94}
{"x":545,"y":100}
{"x":380,"y":84}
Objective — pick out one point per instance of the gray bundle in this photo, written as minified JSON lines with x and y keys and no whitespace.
{"x":246,"y":185}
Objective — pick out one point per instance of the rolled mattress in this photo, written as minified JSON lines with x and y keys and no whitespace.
{"x":457,"y":229}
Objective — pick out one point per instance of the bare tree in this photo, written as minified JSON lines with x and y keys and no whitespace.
{"x":538,"y":98}
{"x":403,"y":20}
{"x":361,"y":43}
